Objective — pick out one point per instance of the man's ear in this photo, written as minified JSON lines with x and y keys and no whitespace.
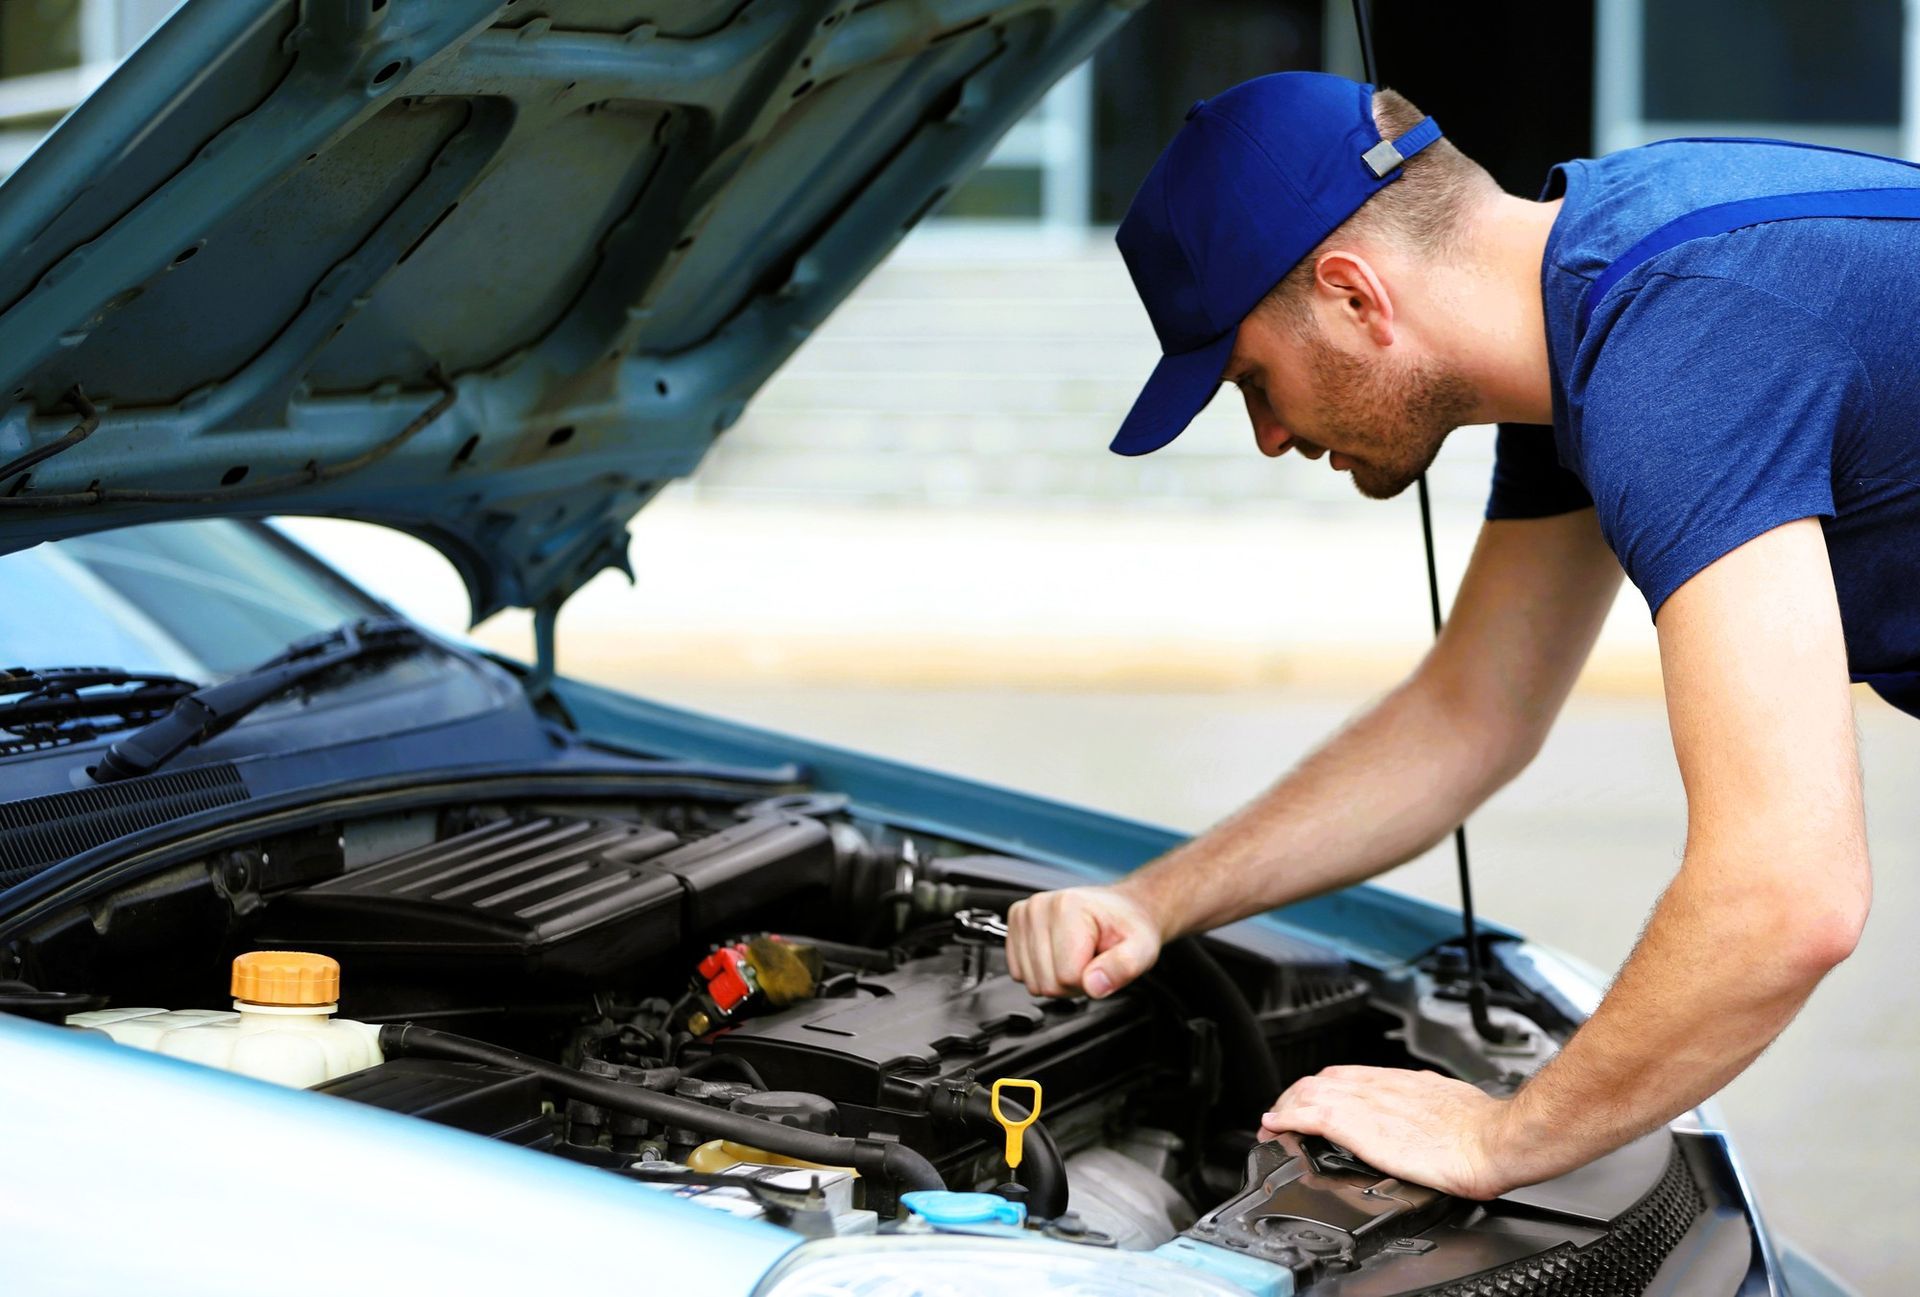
{"x":1346,"y":283}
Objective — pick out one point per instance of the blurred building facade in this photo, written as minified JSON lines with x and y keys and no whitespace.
{"x":989,"y":360}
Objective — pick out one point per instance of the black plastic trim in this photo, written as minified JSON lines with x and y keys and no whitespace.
{"x":39,"y":832}
{"x":152,"y":849}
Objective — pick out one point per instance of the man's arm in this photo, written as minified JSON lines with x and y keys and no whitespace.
{"x":1389,"y":786}
{"x":1772,"y":893}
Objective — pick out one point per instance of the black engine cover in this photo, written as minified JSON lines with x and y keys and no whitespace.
{"x":879,"y":1051}
{"x":546,"y":895}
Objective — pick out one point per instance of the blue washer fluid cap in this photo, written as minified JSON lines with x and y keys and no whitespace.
{"x":944,"y":1207}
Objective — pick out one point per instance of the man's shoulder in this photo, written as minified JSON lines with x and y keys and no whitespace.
{"x":1739,"y":288}
{"x":1614,"y":201}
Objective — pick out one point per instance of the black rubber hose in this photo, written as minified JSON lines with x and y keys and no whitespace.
{"x":1252,"y":1079}
{"x":1041,"y":1173}
{"x":871,"y":959}
{"x":999,"y":899}
{"x":901,"y":1167}
{"x":739,"y":1066}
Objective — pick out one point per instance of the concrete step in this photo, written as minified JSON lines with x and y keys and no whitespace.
{"x":1051,"y":317}
{"x":1027,"y":347}
{"x":801,"y":387}
{"x":1050,"y":478}
{"x":996,"y":374}
{"x":923,"y":455}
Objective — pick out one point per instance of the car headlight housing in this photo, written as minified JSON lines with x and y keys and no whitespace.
{"x":973,"y":1266}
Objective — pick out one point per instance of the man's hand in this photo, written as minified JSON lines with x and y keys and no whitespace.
{"x":1417,"y":1126}
{"x":1095,"y":939}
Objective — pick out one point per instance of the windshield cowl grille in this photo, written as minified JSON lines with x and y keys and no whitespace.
{"x":38,"y":832}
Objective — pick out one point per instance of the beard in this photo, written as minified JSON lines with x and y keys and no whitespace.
{"x":1390,"y":417}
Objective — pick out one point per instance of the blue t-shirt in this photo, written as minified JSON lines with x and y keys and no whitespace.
{"x":1735,"y":383}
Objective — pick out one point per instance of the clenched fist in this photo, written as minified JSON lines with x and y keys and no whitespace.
{"x":1095,"y":939}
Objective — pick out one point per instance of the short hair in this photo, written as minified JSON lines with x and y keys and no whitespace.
{"x":1424,"y":210}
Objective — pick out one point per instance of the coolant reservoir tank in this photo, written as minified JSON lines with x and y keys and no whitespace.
{"x":282,"y":1029}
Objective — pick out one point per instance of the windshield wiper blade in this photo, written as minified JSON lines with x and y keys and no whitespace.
{"x":48,"y":706}
{"x":200,"y":715}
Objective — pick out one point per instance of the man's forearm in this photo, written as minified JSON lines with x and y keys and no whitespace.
{"x":1733,"y":950}
{"x":1776,"y":882}
{"x":1407,"y":771}
{"x":1381,"y":791}
{"x":1774,"y":891}
{"x":1730,"y":955}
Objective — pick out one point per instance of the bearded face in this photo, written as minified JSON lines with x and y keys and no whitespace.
{"x":1387,"y":417}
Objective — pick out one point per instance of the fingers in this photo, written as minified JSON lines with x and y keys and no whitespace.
{"x":1050,"y":938}
{"x":1030,"y":943}
{"x":1089,"y":938}
{"x":1071,"y":943}
{"x":1312,"y":1098}
{"x":1418,"y":1126}
{"x":1312,"y":1105}
{"x":1121,"y":963}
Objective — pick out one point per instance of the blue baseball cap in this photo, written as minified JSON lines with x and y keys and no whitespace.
{"x":1255,"y":179}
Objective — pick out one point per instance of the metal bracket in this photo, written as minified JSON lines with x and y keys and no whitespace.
{"x":1382,"y":158}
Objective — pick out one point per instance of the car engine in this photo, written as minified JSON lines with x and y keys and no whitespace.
{"x":777,"y":1009}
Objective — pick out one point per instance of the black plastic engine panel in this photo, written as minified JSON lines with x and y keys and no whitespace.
{"x":485,"y":1100}
{"x":546,"y":895}
{"x":1611,"y":1228}
{"x":879,"y":1051}
{"x":920,"y":1021}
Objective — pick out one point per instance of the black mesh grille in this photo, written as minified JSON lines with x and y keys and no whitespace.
{"x":1623,"y":1262}
{"x":42,"y":831}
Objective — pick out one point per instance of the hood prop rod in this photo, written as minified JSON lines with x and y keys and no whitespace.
{"x":546,"y":620}
{"x":1489,"y":1030}
{"x":1483,"y":1024}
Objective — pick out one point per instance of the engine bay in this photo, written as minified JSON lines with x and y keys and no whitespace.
{"x":781,"y":1010}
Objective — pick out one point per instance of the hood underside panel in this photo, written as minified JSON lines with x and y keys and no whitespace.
{"x":486,"y":271}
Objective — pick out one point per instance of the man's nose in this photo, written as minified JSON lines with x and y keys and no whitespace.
{"x":1272,"y":439}
{"x":1269,"y":435}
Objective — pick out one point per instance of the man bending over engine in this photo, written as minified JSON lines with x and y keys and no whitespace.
{"x":1701,"y":356}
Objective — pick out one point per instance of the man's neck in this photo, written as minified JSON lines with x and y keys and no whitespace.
{"x":1501,"y":322}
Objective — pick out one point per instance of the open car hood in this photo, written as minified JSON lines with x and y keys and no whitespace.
{"x":486,"y":271}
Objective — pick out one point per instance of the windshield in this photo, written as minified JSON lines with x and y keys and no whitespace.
{"x":201,"y":599}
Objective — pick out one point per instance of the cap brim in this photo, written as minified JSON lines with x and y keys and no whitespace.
{"x":1180,"y":388}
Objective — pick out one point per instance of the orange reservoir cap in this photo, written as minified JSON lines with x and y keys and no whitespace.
{"x":286,"y":978}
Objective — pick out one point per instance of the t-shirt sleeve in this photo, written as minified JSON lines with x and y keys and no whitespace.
{"x":1529,"y":481}
{"x":1707,"y":416}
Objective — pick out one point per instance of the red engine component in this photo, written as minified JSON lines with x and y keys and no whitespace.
{"x":728,"y":975}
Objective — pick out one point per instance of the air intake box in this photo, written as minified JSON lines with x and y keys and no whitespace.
{"x":547,"y":895}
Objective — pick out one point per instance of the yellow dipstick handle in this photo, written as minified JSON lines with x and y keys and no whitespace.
{"x":1016,"y":1130}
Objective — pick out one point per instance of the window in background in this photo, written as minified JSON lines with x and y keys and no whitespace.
{"x":52,"y":55}
{"x":1825,"y":74}
{"x":38,"y":36}
{"x":1043,"y":169}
